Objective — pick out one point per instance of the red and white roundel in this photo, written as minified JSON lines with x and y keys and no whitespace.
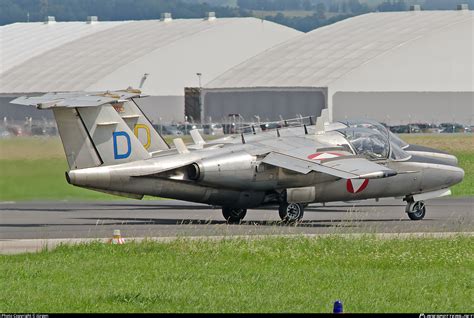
{"x":324,"y":155}
{"x":356,"y":185}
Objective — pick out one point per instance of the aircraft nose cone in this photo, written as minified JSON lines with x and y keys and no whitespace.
{"x":437,"y":174}
{"x":458,"y":175}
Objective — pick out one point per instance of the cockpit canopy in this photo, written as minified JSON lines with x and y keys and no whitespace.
{"x":374,"y":141}
{"x":372,"y":124}
{"x":367,"y":142}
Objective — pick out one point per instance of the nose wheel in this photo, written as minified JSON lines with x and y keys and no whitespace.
{"x":233,"y":215}
{"x":291,"y":212}
{"x":416,"y":210}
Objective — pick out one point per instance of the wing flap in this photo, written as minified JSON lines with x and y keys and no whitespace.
{"x":348,"y":167}
{"x":302,"y":166}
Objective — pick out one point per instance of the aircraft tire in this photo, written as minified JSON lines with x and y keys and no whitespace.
{"x":291,"y":212}
{"x":233,"y":215}
{"x":416,"y":210}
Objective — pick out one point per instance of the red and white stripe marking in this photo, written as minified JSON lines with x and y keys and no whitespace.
{"x":356,"y":185}
{"x":324,"y":155}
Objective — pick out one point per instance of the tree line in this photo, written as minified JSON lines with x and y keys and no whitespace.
{"x":107,"y":10}
{"x":322,"y":12}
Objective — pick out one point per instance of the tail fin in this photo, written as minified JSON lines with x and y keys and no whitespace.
{"x":92,"y":132}
{"x":322,"y":121}
{"x":141,"y":126}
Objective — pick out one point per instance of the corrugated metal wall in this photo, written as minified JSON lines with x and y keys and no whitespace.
{"x":396,"y":108}
{"x":268,"y":104}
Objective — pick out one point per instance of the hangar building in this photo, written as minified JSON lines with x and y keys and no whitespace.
{"x":394,"y":67}
{"x":92,"y":55}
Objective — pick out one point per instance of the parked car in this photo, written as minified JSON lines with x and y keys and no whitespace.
{"x":400,"y":129}
{"x":272,"y":125}
{"x":37,"y":130}
{"x":186,"y":128}
{"x":168,"y":130}
{"x":212,"y":129}
{"x":451,"y":128}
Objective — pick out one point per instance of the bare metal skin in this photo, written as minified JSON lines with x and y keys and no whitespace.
{"x":291,"y":167}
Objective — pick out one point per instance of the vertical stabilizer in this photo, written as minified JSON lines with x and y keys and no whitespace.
{"x":78,"y":147}
{"x":112,"y":138}
{"x":92,"y":132}
{"x":141,"y":126}
{"x":322,"y":120}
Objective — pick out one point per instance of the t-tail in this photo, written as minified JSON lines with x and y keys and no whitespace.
{"x":92,"y":132}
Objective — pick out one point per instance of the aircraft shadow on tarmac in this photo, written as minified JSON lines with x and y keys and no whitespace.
{"x":101,"y":207}
{"x":187,"y":221}
{"x":139,"y":207}
{"x":202,"y":222}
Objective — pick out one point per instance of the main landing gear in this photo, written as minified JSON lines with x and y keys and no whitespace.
{"x":416,"y":210}
{"x":291,"y":212}
{"x":233,"y":215}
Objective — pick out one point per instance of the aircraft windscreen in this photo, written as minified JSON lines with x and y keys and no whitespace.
{"x":368,"y":142}
{"x":397,"y":141}
{"x":397,"y":153}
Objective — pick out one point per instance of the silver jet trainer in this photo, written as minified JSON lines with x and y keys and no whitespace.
{"x":111,"y":147}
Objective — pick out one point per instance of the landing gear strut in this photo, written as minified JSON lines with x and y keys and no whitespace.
{"x":416,"y":210}
{"x":233,"y":215}
{"x":291,"y":212}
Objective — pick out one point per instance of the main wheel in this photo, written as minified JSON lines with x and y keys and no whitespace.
{"x":291,"y":212}
{"x":416,"y":210}
{"x":233,"y":215}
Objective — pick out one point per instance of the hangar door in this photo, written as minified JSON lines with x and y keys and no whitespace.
{"x":396,"y":108}
{"x":268,"y":104}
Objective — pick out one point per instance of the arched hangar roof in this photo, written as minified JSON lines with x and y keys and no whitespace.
{"x":69,"y":56}
{"x":414,"y":50}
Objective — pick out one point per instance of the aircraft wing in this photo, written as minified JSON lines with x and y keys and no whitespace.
{"x":347,"y":167}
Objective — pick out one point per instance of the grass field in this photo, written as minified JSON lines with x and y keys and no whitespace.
{"x":33,"y":168}
{"x":269,"y":275}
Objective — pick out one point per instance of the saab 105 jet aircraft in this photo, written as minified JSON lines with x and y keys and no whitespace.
{"x":111,"y":147}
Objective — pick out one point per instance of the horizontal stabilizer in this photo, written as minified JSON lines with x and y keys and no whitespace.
{"x":74,"y":99}
{"x":68,"y":102}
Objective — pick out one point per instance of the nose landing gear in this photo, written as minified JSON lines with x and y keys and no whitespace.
{"x":416,"y":210}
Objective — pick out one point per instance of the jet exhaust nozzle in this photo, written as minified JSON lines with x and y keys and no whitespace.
{"x":90,"y":177}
